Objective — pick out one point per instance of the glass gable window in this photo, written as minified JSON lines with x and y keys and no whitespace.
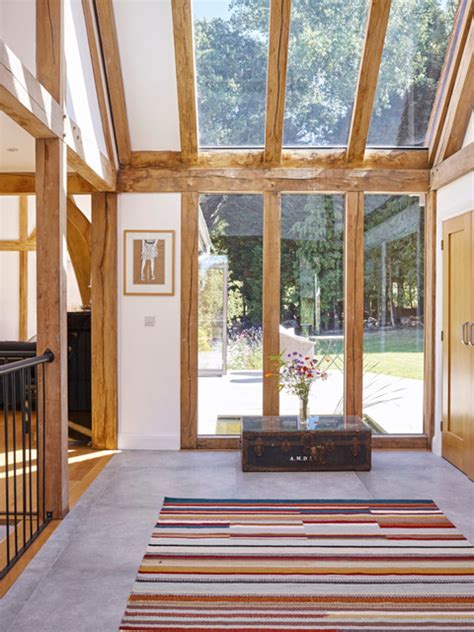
{"x":231,"y":47}
{"x":325,"y":47}
{"x":415,"y":47}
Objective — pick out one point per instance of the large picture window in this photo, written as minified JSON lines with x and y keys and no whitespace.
{"x":229,"y":311}
{"x":312,"y":293}
{"x":393,"y":314}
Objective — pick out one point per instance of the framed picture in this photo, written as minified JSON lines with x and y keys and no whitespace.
{"x":148,"y":262}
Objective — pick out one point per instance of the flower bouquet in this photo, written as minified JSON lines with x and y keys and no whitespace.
{"x":296,"y":375}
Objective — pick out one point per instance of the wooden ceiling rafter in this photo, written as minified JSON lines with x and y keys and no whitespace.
{"x":186,"y":79}
{"x":25,"y":100}
{"x":462,"y":23}
{"x":107,"y":30}
{"x":280,"y":17}
{"x":460,"y":106}
{"x":371,"y":59}
{"x":99,"y":78}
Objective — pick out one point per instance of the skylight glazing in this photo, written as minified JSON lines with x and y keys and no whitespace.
{"x":231,"y":46}
{"x":415,"y":47}
{"x":325,"y":47}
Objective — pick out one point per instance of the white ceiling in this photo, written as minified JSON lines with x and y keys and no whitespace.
{"x":145,"y":35}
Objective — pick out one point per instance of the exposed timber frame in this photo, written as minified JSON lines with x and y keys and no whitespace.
{"x":280,"y":11}
{"x":449,"y":72}
{"x":377,"y":21}
{"x":51,"y":238}
{"x":100,"y":79}
{"x":461,"y":104}
{"x":454,"y":167}
{"x":104,"y":298}
{"x":79,"y":248}
{"x":29,"y":103}
{"x":186,"y":79}
{"x":354,"y":302}
{"x":111,"y":56}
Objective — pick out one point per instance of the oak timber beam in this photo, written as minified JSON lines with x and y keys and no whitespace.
{"x":149,"y":180}
{"x":79,"y":247}
{"x":113,"y":71}
{"x":461,"y":104}
{"x":280,"y":11}
{"x":290,"y":158}
{"x":271,"y":301}
{"x":189,"y":319}
{"x":51,"y":275}
{"x":26,"y":100}
{"x":25,"y":183}
{"x":99,"y":77}
{"x":354,"y":302}
{"x":23,"y":316}
{"x":461,"y":26}
{"x":377,"y":21}
{"x":16,"y":246}
{"x":186,"y":79}
{"x":454,"y":167}
{"x":104,"y":321}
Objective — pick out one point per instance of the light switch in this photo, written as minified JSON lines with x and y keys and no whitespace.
{"x":150,"y":321}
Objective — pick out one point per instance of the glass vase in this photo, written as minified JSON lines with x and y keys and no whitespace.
{"x":303,"y":417}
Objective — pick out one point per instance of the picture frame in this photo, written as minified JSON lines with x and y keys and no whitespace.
{"x":149,"y":262}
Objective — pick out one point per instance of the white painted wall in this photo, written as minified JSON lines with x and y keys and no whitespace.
{"x":453,"y":199}
{"x":149,"y":358}
{"x":145,"y":36}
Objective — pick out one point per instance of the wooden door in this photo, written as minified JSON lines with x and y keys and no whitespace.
{"x":458,"y":342}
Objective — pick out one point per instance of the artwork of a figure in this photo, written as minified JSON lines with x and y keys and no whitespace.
{"x":149,"y":253}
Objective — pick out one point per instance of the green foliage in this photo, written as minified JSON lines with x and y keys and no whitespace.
{"x":324,"y":55}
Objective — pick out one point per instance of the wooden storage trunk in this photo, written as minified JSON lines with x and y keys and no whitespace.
{"x":331,"y":443}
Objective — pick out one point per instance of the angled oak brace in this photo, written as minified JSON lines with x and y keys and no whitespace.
{"x":377,"y":22}
{"x":110,"y":51}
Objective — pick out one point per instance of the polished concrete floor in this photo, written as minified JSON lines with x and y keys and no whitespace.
{"x":81,"y":578}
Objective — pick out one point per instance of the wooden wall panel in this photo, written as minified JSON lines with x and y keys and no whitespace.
{"x":104,"y":320}
{"x":271,"y":300}
{"x":189,"y":318}
{"x":354,"y":302}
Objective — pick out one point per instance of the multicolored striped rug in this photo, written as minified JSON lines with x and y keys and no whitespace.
{"x":319,"y":565}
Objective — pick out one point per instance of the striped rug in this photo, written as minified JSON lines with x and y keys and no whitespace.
{"x":319,"y":565}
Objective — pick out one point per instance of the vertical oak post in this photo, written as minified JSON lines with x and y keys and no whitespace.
{"x":430,"y":315}
{"x":104,"y":320}
{"x":189,"y":318}
{"x":354,"y":302}
{"x":23,"y":322}
{"x":51,"y":183}
{"x":271,"y":300}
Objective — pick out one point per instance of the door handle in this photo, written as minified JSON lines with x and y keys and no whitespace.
{"x":464,"y":327}
{"x":470,"y":339}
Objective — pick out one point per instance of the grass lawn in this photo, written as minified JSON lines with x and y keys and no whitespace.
{"x":398,"y":353}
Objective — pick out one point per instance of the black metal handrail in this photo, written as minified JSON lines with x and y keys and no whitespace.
{"x":23,"y":513}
